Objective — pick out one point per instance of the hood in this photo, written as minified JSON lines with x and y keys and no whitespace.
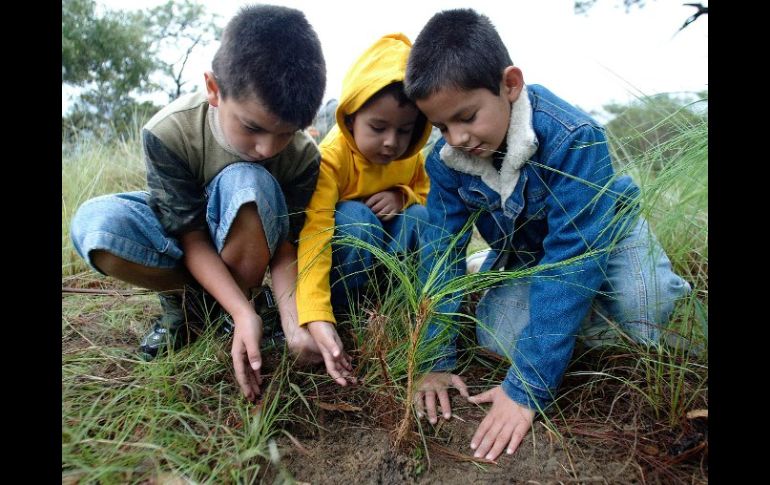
{"x":381,"y":64}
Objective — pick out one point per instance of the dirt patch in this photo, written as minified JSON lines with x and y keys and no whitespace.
{"x":604,"y":433}
{"x":346,"y":451}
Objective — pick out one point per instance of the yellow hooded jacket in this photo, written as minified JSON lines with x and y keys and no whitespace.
{"x":346,"y":175}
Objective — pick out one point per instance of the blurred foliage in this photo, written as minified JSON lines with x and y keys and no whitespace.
{"x":649,"y":124}
{"x":583,"y":6}
{"x":115,"y":57}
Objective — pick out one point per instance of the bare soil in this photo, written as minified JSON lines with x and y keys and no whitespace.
{"x":604,"y":436}
{"x":350,"y":449}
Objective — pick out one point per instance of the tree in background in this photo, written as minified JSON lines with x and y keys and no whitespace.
{"x":583,"y":6}
{"x":107,"y":57}
{"x":648,"y":124}
{"x":178,"y":29}
{"x":113,"y":57}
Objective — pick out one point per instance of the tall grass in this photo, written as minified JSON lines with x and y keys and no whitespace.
{"x":667,"y":380}
{"x":91,"y":168}
{"x":673,"y":177}
{"x":181,"y":417}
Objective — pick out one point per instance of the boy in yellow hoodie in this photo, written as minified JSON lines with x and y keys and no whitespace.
{"x":371,"y":186}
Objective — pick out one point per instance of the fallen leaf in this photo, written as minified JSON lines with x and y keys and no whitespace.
{"x":698,"y":413}
{"x":300,"y":447}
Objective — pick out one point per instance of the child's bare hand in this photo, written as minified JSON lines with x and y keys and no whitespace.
{"x":302,"y":345}
{"x":247,"y":359}
{"x":436,"y":384}
{"x":336,"y":359}
{"x":505,"y":425}
{"x":386,"y":204}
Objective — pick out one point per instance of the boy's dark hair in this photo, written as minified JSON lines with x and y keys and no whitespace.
{"x":456,"y":48}
{"x":396,"y":90}
{"x":272,"y":53}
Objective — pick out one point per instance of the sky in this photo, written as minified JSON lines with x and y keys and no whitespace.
{"x":590,"y":60}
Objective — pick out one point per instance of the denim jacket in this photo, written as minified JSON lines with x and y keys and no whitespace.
{"x":555,"y":197}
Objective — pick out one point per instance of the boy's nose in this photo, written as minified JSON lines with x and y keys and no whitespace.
{"x":389,"y":140}
{"x":267,"y":146}
{"x":457,"y":137}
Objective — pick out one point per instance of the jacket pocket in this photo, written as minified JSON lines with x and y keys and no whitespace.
{"x":477,"y":195}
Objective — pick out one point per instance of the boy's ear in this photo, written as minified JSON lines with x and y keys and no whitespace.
{"x":513,"y":82}
{"x":212,"y":88}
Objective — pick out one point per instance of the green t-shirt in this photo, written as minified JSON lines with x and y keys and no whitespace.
{"x":184,"y":150}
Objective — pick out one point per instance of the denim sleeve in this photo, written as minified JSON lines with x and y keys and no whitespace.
{"x":442,"y":258}
{"x":177,"y":199}
{"x":298,"y":194}
{"x":579,"y":210}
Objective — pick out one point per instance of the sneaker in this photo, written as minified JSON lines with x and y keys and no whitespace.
{"x":170,"y":330}
{"x":475,"y":261}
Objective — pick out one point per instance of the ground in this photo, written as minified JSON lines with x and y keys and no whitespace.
{"x":602,"y":434}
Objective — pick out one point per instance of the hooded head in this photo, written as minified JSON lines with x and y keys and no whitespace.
{"x":373,"y":103}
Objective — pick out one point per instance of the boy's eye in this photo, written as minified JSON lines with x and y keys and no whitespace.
{"x":468,"y":119}
{"x":252,"y":129}
{"x":377,"y":129}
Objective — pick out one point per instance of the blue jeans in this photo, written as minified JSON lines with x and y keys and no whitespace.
{"x":350,"y":264}
{"x":124,"y":224}
{"x":638,"y":295}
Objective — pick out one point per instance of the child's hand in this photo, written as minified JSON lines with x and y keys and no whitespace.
{"x":301,"y":343}
{"x":386,"y":204}
{"x":247,"y":359}
{"x":337,"y":361}
{"x":505,"y":425}
{"x":436,"y":383}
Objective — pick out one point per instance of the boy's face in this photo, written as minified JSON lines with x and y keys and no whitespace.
{"x":383,"y":129}
{"x":475,"y":120}
{"x":249,"y":127}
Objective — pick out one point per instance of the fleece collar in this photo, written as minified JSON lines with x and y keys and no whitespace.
{"x":521,"y":145}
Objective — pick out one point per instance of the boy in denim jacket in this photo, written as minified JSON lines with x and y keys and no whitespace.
{"x":537,"y":172}
{"x":230,"y":173}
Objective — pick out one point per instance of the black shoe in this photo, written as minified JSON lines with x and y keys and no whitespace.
{"x":170,"y":330}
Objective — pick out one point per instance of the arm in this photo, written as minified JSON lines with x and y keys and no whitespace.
{"x":416,"y":192}
{"x":207,"y":267}
{"x":578,"y":218}
{"x":389,"y":203}
{"x":180,"y":204}
{"x":283,"y":270}
{"x":577,"y":221}
{"x":441,"y":260}
{"x":315,"y":260}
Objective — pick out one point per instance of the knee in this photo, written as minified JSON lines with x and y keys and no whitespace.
{"x":244,"y":175}
{"x":89,"y":217}
{"x":245,"y":252}
{"x":662,"y":302}
{"x":417,"y":212}
{"x":354,"y":219}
